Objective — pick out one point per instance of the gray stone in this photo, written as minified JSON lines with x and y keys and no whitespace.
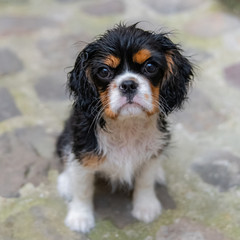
{"x":5,"y":233}
{"x":186,"y":229}
{"x":220,"y":169}
{"x":40,"y":222}
{"x":45,"y":226}
{"x":213,"y":25}
{"x":17,"y":2}
{"x":8,"y":107}
{"x":42,"y":143}
{"x":67,"y":1}
{"x":165,"y":198}
{"x":9,"y":62}
{"x":52,"y":87}
{"x":199,"y":113}
{"x":172,"y":6}
{"x":197,"y":56}
{"x":103,"y":8}
{"x":22,"y":25}
{"x":26,"y":155}
{"x":62,"y":51}
{"x":232,"y":74}
{"x":117,"y":205}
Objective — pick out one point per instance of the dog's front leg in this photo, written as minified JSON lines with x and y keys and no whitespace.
{"x":80,"y":182}
{"x":146,"y":206}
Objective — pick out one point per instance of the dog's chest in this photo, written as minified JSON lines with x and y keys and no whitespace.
{"x":127,"y":145}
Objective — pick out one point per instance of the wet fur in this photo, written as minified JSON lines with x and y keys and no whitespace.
{"x":122,"y":149}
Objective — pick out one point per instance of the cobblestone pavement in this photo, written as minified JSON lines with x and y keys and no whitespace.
{"x":39,"y":40}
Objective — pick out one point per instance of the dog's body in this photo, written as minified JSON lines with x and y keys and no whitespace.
{"x":124,"y":84}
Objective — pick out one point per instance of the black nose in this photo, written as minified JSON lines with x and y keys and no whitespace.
{"x":128,"y":87}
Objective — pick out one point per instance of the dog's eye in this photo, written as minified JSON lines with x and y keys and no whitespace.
{"x":151,"y":67}
{"x":104,"y":73}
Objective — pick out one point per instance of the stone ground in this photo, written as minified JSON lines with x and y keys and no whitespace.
{"x":39,"y":41}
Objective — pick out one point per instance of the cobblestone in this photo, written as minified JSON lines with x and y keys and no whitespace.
{"x":7,"y":57}
{"x":8,"y":108}
{"x":232,"y":74}
{"x":55,"y":48}
{"x":173,"y":6}
{"x":51,"y":87}
{"x":23,"y":25}
{"x":105,"y":8}
{"x":213,"y":25}
{"x":117,"y":207}
{"x":219,"y":168}
{"x":185,"y":229}
{"x":199,"y":107}
{"x":27,"y":158}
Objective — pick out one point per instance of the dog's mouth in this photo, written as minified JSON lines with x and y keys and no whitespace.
{"x":131,"y":108}
{"x":132,"y":104}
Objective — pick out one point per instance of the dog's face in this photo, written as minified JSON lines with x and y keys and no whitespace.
{"x":129,"y":71}
{"x":129,"y":77}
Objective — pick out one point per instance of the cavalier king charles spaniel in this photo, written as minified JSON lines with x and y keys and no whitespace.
{"x":124,"y":85}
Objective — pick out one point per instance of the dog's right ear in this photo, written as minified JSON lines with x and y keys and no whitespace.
{"x":79,"y":83}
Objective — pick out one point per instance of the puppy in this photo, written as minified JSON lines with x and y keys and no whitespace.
{"x":124,"y":85}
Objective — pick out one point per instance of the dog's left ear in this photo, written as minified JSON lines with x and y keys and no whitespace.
{"x":79,"y":83}
{"x":177,"y":78}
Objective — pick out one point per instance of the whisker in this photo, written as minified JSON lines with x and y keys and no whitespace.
{"x":96,"y":118}
{"x":164,"y":103}
{"x":161,"y":106}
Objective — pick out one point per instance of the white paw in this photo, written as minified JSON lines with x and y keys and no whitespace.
{"x":80,"y":221}
{"x":147,"y":209}
{"x":64,"y":186}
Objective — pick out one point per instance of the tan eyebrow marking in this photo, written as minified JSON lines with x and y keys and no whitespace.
{"x":112,"y":61}
{"x":141,"y":56}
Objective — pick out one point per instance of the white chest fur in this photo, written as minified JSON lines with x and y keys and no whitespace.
{"x":127,"y":144}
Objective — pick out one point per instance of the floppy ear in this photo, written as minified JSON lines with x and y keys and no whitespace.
{"x":177,"y":78}
{"x":79,"y":83}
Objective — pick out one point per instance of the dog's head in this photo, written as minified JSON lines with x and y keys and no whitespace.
{"x":129,"y":71}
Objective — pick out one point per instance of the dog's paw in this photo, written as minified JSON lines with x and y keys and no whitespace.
{"x":147,"y":209}
{"x":80,"y":221}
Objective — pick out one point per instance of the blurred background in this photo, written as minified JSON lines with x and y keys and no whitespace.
{"x":39,"y":41}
